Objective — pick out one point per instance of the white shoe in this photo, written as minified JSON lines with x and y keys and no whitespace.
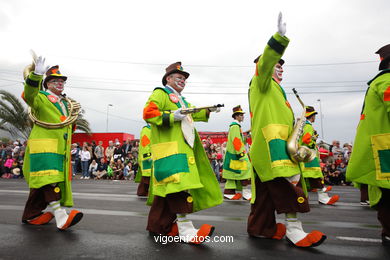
{"x":82,"y":177}
{"x":323,"y":198}
{"x":246,"y":194}
{"x":61,"y":217}
{"x":187,"y":232}
{"x":299,"y":238}
{"x":294,"y":231}
{"x":229,"y":196}
{"x":87,"y":178}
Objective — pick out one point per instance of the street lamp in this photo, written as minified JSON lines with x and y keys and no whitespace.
{"x":322,"y":127}
{"x":108,"y":106}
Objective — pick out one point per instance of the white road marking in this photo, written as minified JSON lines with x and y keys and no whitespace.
{"x":360,"y":239}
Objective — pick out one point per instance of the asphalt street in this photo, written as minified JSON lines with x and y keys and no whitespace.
{"x":114,"y":224}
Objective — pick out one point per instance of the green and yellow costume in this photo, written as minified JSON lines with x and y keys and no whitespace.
{"x":47,"y":157}
{"x":176,"y":166}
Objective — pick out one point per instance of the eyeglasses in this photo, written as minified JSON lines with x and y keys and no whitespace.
{"x":57,"y":82}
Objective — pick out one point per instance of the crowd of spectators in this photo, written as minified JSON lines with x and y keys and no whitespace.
{"x":11,"y":159}
{"x":119,"y":161}
{"x":334,"y":162}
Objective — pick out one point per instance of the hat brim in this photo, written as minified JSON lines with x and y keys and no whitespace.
{"x":237,"y":113}
{"x":184,"y":73}
{"x":310,"y":114}
{"x":52,"y":77}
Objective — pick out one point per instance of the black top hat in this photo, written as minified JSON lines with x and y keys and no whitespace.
{"x":281,"y":61}
{"x":53,"y":72}
{"x":174,"y":68}
{"x":384,"y":54}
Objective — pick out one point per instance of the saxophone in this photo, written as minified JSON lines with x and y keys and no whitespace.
{"x":74,"y":107}
{"x":299,"y":153}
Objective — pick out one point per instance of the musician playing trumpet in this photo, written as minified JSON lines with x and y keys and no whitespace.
{"x":47,"y":160}
{"x":182,"y":179}
{"x":277,"y":178}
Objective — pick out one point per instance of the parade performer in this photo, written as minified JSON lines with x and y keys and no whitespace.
{"x":236,"y":164}
{"x":312,"y":171}
{"x":182,"y":178}
{"x":370,"y":159}
{"x":144,"y":162}
{"x":276,"y":179}
{"x":47,"y":160}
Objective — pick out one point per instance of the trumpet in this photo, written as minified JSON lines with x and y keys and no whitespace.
{"x":192,"y":110}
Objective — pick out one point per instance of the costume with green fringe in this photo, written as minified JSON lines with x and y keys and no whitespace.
{"x":272,"y":118}
{"x":47,"y":157}
{"x":144,"y":154}
{"x":176,"y":166}
{"x":236,"y":164}
{"x":370,"y":158}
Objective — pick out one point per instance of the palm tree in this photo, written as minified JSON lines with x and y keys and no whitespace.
{"x":82,"y":124}
{"x":15,"y":120}
{"x":13,"y":116}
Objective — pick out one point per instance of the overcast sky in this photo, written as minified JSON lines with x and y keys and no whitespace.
{"x":115,"y":52}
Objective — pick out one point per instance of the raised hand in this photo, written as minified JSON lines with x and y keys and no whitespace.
{"x":281,"y":25}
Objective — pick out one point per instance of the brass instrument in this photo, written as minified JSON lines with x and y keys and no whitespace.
{"x":73,"y":106}
{"x":299,"y":153}
{"x":192,"y":110}
{"x":74,"y":110}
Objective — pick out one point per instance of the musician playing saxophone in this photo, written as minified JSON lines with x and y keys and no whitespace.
{"x":312,"y":170}
{"x":47,"y":160}
{"x":276,"y":177}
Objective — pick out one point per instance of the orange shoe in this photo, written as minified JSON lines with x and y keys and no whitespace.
{"x":41,"y":219}
{"x":204,"y":231}
{"x":74,"y":217}
{"x":237,"y":196}
{"x":333,"y":199}
{"x":174,"y":230}
{"x":313,"y":239}
{"x":280,"y":231}
{"x":297,"y":237}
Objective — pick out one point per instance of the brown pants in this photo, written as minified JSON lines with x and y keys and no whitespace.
{"x":383,"y":208}
{"x":363,"y":192}
{"x":316,"y":183}
{"x":38,"y":200}
{"x":143,"y":186}
{"x":163,"y":212}
{"x":276,"y":195}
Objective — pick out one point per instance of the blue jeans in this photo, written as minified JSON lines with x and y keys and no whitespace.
{"x":84,"y":168}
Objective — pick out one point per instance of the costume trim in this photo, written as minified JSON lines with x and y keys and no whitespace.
{"x":168,"y":166}
{"x":381,"y":152}
{"x":32,"y":83}
{"x":46,"y":161}
{"x":276,"y":46}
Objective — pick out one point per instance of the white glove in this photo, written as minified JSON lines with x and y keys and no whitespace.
{"x":178,"y":116}
{"x":215,"y":109}
{"x":40,"y":68}
{"x":281,"y":25}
